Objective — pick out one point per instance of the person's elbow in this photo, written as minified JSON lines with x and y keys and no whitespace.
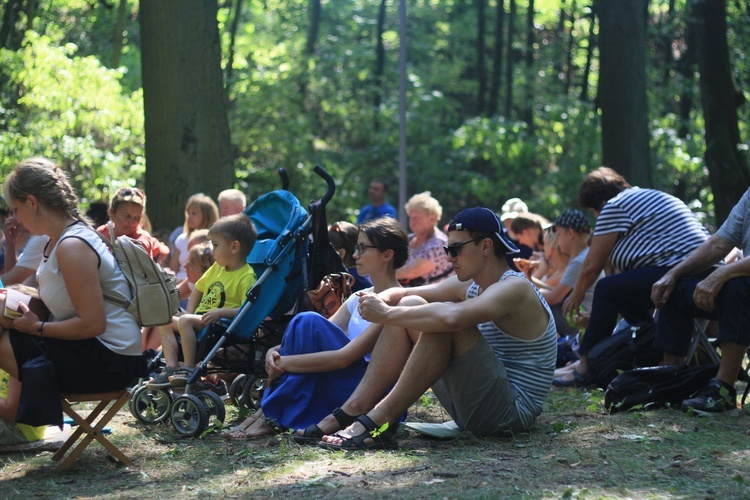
{"x":96,"y":325}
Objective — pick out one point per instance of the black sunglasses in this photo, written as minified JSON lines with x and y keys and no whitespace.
{"x":454,"y":248}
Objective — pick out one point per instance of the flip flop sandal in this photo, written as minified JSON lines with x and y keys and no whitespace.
{"x":383,"y":437}
{"x":313,"y":434}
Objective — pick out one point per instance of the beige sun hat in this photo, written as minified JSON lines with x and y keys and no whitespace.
{"x":512,"y":208}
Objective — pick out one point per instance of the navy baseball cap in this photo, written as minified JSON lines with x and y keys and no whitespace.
{"x":484,"y":220}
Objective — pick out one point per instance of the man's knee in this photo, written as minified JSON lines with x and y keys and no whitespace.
{"x":412,"y":300}
{"x":734,"y":297}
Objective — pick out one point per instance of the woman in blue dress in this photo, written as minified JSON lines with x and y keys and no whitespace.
{"x":321,"y":361}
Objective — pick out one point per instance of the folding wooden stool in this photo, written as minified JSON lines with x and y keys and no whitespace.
{"x":90,"y":428}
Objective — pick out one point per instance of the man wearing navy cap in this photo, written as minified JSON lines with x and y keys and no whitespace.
{"x":487,"y":347}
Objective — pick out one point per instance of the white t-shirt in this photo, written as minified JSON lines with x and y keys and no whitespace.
{"x":31,"y":257}
{"x":181,"y":244}
{"x":570,"y":276}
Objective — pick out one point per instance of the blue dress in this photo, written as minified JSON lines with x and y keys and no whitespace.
{"x":297,"y":400}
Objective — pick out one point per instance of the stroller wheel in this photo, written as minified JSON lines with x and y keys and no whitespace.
{"x":150,"y":406}
{"x":189,"y":415}
{"x":252,"y":392}
{"x":214,"y":407}
{"x":236,"y":389}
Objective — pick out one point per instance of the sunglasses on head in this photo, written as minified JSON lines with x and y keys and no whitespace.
{"x":454,"y":249}
{"x":132,"y":192}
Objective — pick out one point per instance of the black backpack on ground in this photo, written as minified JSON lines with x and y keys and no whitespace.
{"x":628,"y":348}
{"x":656,"y":386}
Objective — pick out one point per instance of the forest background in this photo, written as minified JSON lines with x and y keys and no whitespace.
{"x":504,"y":98}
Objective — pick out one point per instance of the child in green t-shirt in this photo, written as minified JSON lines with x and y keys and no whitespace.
{"x":219,"y":293}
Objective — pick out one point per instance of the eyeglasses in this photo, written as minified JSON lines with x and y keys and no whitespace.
{"x":361,"y":247}
{"x":455,"y":248}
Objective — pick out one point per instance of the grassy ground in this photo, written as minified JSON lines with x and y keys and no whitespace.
{"x":576,"y":450}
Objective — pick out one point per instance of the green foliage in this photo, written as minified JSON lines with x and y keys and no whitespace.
{"x":73,"y":111}
{"x":293,"y":109}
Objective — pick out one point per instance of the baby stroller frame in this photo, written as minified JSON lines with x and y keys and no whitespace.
{"x":279,"y":258}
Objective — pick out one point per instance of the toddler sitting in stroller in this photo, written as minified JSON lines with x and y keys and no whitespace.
{"x":218,"y":294}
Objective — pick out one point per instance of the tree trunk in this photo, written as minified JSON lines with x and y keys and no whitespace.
{"x":569,"y":69}
{"x":509,"y":59}
{"x":481,"y":6}
{"x":9,"y":29}
{"x":622,"y":88}
{"x":727,"y":167}
{"x":187,"y":132}
{"x":232,"y":42}
{"x":312,"y":34}
{"x":589,"y":57}
{"x":497,"y":60}
{"x":530,"y":78}
{"x":379,"y":62}
{"x":685,"y":67}
{"x":117,"y":40}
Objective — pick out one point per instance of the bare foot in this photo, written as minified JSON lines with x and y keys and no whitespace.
{"x":239,"y":430}
{"x":259,"y":429}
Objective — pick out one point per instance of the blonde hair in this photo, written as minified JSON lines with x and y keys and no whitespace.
{"x":201,"y":253}
{"x":47,"y":182}
{"x":425,"y":202}
{"x":550,"y":237}
{"x":233,"y":195}
{"x":207,"y":207}
{"x":197,"y":237}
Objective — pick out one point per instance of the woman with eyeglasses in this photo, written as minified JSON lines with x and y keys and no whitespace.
{"x":320,"y":362}
{"x":126,"y":212}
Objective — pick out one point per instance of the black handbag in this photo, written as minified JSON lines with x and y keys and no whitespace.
{"x":39,"y":403}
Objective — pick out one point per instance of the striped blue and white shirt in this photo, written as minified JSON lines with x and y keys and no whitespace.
{"x":529,"y":364}
{"x":655,"y":228}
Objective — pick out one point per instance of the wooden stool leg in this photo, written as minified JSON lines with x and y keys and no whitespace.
{"x":90,"y":432}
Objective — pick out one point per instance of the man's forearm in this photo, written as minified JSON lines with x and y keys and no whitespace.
{"x":705,"y":256}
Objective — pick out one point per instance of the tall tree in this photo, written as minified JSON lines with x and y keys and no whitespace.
{"x":589,"y":56}
{"x":481,"y":60}
{"x":497,"y":60}
{"x":509,"y":59}
{"x":727,"y":167}
{"x":569,"y":65}
{"x":117,"y":38}
{"x":379,"y":61}
{"x":528,"y":114}
{"x":233,"y":42}
{"x":187,"y":132}
{"x":622,"y":88}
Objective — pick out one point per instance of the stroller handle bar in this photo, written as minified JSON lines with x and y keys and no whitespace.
{"x":284,"y":179}
{"x":331,"y":184}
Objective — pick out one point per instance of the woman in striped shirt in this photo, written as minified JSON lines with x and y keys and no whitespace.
{"x":643,"y":233}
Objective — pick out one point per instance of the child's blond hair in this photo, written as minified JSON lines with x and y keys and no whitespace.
{"x":201,"y":254}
